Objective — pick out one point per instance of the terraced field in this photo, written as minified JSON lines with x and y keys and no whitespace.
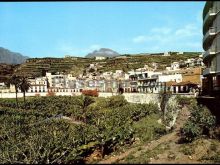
{"x":37,"y":66}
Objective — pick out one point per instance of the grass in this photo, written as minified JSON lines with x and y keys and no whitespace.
{"x":213,"y":153}
{"x":187,"y":149}
{"x":145,"y":156}
{"x":148,"y":128}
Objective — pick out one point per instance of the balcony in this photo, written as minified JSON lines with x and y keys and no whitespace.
{"x":209,"y":36}
{"x":208,"y":19}
{"x":207,"y":6}
{"x":210,"y":52}
{"x":207,"y":71}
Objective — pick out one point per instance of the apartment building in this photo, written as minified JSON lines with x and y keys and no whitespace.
{"x":38,"y":84}
{"x":211,"y":45}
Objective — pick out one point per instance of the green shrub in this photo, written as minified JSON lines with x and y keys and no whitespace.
{"x":190,"y":131}
{"x":201,"y":122}
{"x":116,"y":101}
{"x":184,"y":101}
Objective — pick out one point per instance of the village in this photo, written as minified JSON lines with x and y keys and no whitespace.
{"x":183,"y":77}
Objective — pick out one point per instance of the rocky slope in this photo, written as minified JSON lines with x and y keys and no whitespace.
{"x":9,"y":57}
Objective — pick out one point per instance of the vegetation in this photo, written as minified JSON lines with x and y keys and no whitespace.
{"x":35,"y":66}
{"x":15,"y":80}
{"x":24,"y":86}
{"x":184,"y":101}
{"x":145,"y":156}
{"x":6,"y":71}
{"x":19,"y":82}
{"x":41,"y":134}
{"x":201,"y":122}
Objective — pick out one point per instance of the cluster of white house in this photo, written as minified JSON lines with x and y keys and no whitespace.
{"x":146,"y":80}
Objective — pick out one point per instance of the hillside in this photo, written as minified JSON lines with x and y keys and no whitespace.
{"x":104,"y":52}
{"x":189,"y":141}
{"x":35,"y":66}
{"x":6,"y":71}
{"x":8,"y":57}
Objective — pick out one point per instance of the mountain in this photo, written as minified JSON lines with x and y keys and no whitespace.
{"x":104,"y":52}
{"x":8,"y":57}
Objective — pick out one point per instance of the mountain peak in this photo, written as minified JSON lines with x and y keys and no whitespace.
{"x":104,"y":52}
{"x":8,"y":57}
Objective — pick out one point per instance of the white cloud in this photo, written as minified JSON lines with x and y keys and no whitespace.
{"x":139,"y":39}
{"x":162,"y":39}
{"x":163,"y":30}
{"x":166,"y":35}
{"x":188,"y":31}
{"x":151,"y":37}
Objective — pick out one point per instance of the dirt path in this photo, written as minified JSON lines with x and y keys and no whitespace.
{"x":171,"y":137}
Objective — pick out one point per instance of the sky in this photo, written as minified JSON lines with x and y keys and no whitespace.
{"x":56,"y":29}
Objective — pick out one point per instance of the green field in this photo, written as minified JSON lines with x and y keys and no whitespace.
{"x":39,"y":134}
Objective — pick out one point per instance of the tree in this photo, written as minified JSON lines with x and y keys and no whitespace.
{"x":24,"y":86}
{"x":15,"y":80}
{"x":84,"y":102}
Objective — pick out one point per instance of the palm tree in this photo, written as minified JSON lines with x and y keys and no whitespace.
{"x":84,"y":102}
{"x":24,"y":86}
{"x":15,"y":80}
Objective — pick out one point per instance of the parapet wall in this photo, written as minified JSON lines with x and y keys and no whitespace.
{"x":130,"y":97}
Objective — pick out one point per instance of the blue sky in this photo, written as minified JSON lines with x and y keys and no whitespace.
{"x":55,"y":29}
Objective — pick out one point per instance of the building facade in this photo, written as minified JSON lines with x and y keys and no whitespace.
{"x":211,"y":46}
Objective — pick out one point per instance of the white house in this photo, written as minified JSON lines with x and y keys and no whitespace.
{"x":58,"y":80}
{"x":180,"y":53}
{"x":119,"y":74}
{"x":107,"y":75}
{"x":100,"y":58}
{"x":175,"y":66}
{"x":170,"y":77}
{"x":38,"y":84}
{"x":166,"y":54}
{"x":154,"y":65}
{"x":168,"y":68}
{"x":4,"y":88}
{"x":190,"y":62}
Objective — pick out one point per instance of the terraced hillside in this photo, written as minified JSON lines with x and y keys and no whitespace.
{"x":138,"y":61}
{"x":36,"y":66}
{"x":6,"y":70}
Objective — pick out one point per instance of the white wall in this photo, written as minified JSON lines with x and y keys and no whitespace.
{"x":13,"y":95}
{"x":130,"y":97}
